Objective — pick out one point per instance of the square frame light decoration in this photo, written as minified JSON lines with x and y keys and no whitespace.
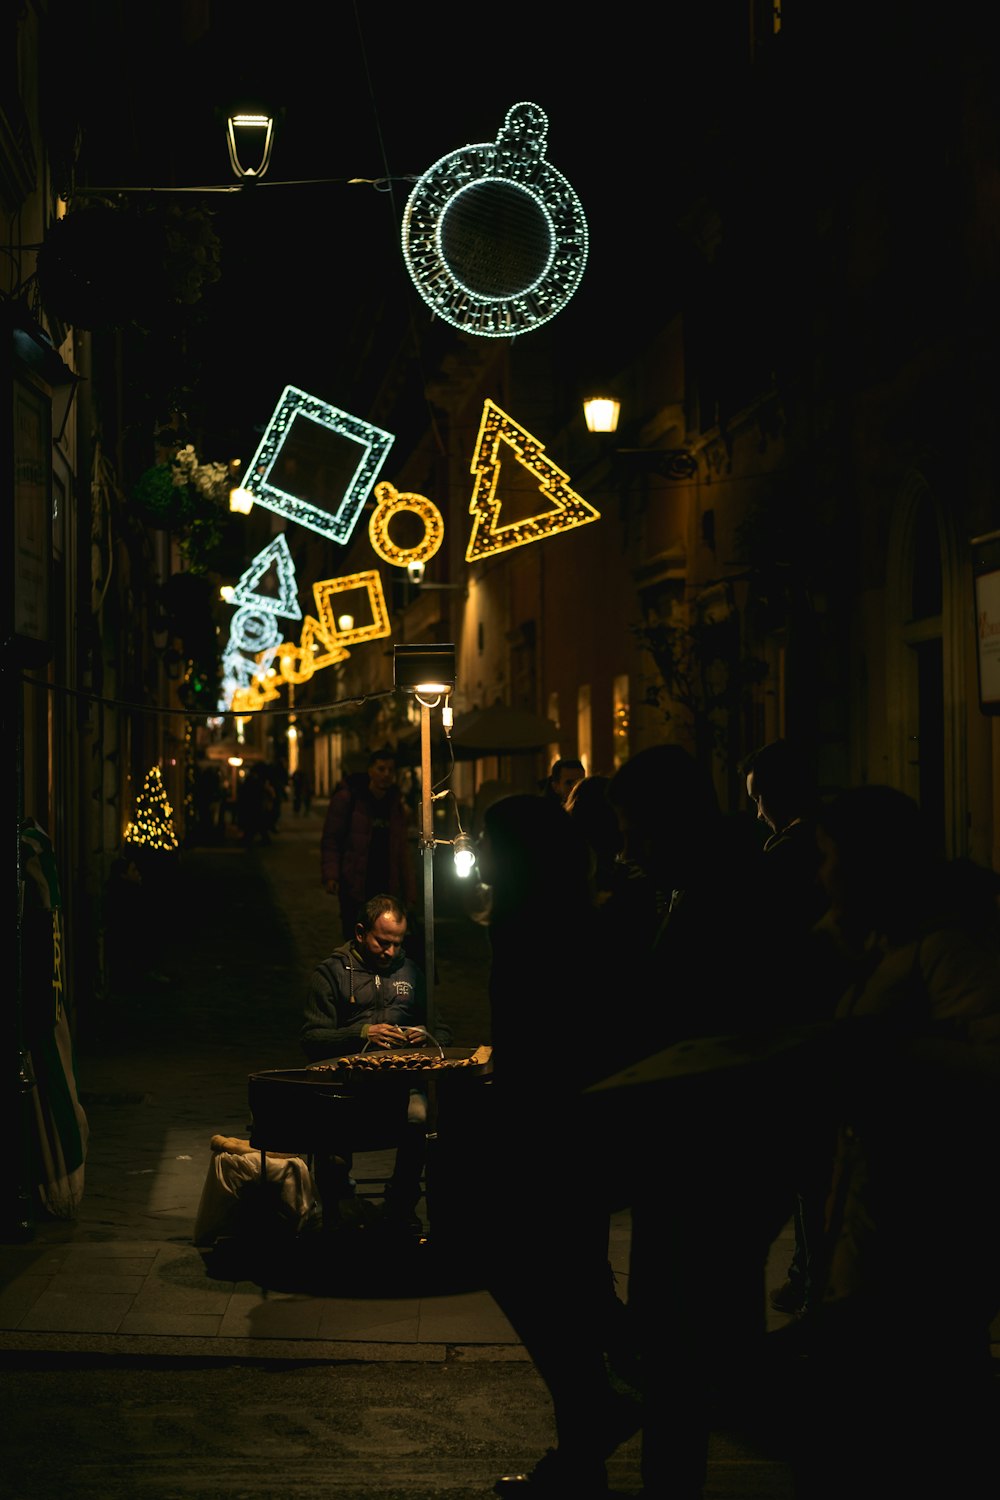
{"x":270,"y":487}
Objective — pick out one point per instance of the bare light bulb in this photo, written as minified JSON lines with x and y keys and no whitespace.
{"x":465,"y":856}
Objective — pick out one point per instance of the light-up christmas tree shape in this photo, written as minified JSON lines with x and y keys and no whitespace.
{"x":273,"y":565}
{"x":153,"y":826}
{"x":565,"y":508}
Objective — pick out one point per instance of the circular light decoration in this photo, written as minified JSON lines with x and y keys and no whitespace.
{"x":495,"y":239}
{"x":390,"y":503}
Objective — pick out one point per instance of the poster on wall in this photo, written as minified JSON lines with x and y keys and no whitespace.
{"x":986,"y":569}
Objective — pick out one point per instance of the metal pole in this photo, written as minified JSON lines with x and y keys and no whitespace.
{"x":427,"y":854}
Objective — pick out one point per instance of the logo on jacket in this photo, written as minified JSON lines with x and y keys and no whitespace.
{"x":402,"y":987}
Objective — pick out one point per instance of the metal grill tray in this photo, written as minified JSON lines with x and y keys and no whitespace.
{"x":395,"y":1060}
{"x":327,"y":1106}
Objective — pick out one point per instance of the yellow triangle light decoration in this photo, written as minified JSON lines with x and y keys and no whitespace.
{"x":568,"y":509}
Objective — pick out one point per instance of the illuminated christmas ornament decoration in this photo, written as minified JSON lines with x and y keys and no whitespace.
{"x":566,"y":508}
{"x":153,"y":826}
{"x":316,"y":464}
{"x":390,"y":503}
{"x":251,"y":631}
{"x":316,"y":641}
{"x":494,"y":238}
{"x":275,"y":561}
{"x":247,"y":700}
{"x":332,"y":588}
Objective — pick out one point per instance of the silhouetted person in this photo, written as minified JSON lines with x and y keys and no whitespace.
{"x":555,"y":1288}
{"x":255,"y":805}
{"x":587,"y":804}
{"x":301,"y":790}
{"x":364,"y":849}
{"x":899,"y":1397}
{"x":565,"y":773}
{"x":711,"y":1186}
{"x":781,"y":784}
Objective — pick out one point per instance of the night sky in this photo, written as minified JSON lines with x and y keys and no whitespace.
{"x":644,"y":114}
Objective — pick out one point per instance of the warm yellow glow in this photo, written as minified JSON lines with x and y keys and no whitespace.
{"x":390,"y":503}
{"x":227,"y":592}
{"x":345,"y":622}
{"x":240,"y":500}
{"x":152,"y":826}
{"x":566,"y":508}
{"x":601,"y":413}
{"x":318,"y":648}
{"x":293,"y":733}
{"x":236,"y":760}
{"x":247,"y":700}
{"x":298,"y":660}
{"x":244,"y":123}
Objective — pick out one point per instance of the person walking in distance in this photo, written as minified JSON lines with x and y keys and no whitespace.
{"x":364,"y":849}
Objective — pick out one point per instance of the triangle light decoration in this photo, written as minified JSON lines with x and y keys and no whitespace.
{"x":564,"y":507}
{"x":286,"y":602}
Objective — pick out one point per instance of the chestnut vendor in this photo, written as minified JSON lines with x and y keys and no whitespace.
{"x":369,"y":994}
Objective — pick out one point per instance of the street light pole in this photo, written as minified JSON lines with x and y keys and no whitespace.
{"x":427,"y":855}
{"x":428,"y":672}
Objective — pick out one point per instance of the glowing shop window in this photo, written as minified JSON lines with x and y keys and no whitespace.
{"x":619,"y":721}
{"x":583,"y":726}
{"x":553,"y":713}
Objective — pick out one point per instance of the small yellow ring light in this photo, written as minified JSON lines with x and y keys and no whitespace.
{"x":390,"y":503}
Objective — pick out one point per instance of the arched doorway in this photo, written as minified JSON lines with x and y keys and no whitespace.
{"x":923,"y":695}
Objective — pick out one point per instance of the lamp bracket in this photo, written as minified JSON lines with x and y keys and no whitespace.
{"x":669,"y":463}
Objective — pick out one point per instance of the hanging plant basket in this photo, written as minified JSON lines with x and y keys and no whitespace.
{"x":117,"y":266}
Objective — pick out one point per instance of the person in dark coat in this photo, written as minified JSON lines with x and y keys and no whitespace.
{"x":898,"y":1391}
{"x":711,"y":1185}
{"x":364,"y":847}
{"x":555,"y":1287}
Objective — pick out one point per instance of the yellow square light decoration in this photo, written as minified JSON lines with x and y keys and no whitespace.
{"x":331,"y":588}
{"x":565,"y":508}
{"x":316,"y":464}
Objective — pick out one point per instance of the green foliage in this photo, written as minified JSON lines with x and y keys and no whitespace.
{"x":189,"y":499}
{"x":702,"y":668}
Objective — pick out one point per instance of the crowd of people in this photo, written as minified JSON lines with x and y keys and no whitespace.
{"x":806,"y":1025}
{"x":792,"y":1016}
